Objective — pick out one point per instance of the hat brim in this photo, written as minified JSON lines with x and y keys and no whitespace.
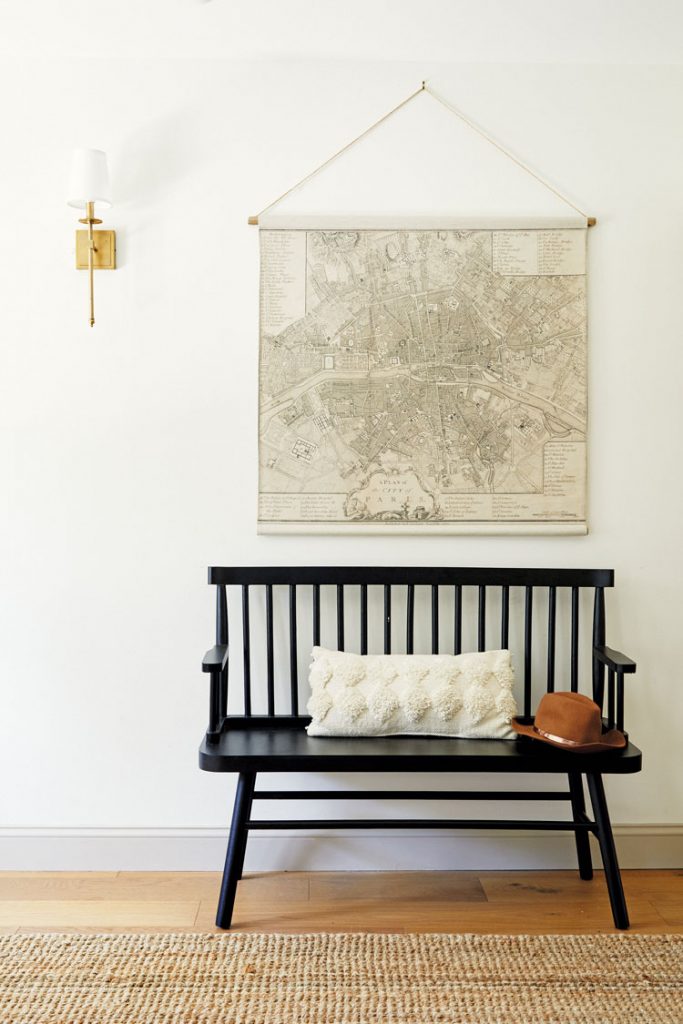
{"x":612,"y":740}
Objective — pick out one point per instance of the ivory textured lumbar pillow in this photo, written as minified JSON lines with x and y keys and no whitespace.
{"x":468,"y":695}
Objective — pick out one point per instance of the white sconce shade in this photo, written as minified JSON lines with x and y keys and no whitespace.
{"x":89,"y":181}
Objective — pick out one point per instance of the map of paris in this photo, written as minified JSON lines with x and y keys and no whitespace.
{"x":427,"y":378}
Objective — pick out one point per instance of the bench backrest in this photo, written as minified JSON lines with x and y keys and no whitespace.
{"x":281,"y":612}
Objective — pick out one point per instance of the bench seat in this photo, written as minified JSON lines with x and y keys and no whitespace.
{"x":286,"y":749}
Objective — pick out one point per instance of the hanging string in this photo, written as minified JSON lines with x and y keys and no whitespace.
{"x":470,"y":124}
{"x":506,"y":152}
{"x":303,"y":181}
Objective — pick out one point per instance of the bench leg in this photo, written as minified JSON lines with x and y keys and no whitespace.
{"x":237,"y":845}
{"x":608,"y":851}
{"x":239,"y":866}
{"x":583,"y":846}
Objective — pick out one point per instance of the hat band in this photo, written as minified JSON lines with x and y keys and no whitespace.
{"x":558,"y":739}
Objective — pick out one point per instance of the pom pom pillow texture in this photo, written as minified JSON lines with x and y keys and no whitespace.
{"x":466,"y":695}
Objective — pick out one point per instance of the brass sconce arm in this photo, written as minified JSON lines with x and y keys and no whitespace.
{"x":95,"y":250}
{"x":91,"y":219}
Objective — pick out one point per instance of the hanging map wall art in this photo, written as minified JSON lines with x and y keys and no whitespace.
{"x":422,"y":379}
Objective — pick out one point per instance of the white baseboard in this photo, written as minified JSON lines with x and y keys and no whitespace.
{"x":203,"y":849}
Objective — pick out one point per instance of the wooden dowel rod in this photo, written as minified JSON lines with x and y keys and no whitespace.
{"x":590,"y":221}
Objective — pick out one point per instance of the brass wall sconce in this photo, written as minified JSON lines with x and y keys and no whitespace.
{"x":89,"y":185}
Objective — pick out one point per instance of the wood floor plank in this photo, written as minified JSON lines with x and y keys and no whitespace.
{"x":651,"y":882}
{"x":67,"y":874}
{"x":58,"y":913}
{"x":670,"y":909}
{"x":105,"y":929}
{"x":459,"y":886}
{"x":146,"y":885}
{"x":86,"y":886}
{"x":288,"y":886}
{"x":540,"y":886}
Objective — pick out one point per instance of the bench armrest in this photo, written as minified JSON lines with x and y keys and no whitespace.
{"x":216,"y":659}
{"x":615,"y":660}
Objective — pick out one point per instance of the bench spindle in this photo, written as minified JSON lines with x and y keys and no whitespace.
{"x":457,"y":618}
{"x":246,"y":647}
{"x":363,"y":618}
{"x":552,"y":618}
{"x":293,"y":654}
{"x":528,"y":611}
{"x":575,"y":641}
{"x":504,"y":617}
{"x":620,"y":699}
{"x":340,"y":617}
{"x":316,"y":615}
{"x":387,"y":618}
{"x":611,"y":715}
{"x":270,"y":667}
{"x":410,"y":618}
{"x":215,"y":702}
{"x":222,"y":638}
{"x":221,"y":615}
{"x":598,"y":641}
{"x":435,"y":619}
{"x":481,"y":620}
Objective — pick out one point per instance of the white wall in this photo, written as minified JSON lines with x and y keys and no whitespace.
{"x":128,"y":452}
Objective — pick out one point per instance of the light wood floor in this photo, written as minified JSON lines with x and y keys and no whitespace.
{"x":499,"y":902}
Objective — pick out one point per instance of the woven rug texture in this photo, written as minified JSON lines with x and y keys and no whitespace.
{"x":340,"y":979}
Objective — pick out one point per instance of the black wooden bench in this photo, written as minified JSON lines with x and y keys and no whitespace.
{"x":266,"y":737}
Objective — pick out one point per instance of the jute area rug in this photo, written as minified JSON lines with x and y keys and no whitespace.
{"x":340,"y":979}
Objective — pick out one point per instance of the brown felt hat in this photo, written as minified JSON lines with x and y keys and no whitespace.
{"x":572,"y":722}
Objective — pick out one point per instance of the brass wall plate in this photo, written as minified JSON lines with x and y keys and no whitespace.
{"x":105,"y":244}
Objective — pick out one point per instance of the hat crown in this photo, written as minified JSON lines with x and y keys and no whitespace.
{"x":569,"y":716}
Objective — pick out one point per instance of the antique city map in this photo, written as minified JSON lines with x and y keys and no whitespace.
{"x":432,"y":378}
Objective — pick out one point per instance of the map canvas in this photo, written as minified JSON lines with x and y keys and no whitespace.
{"x":425,"y":379}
